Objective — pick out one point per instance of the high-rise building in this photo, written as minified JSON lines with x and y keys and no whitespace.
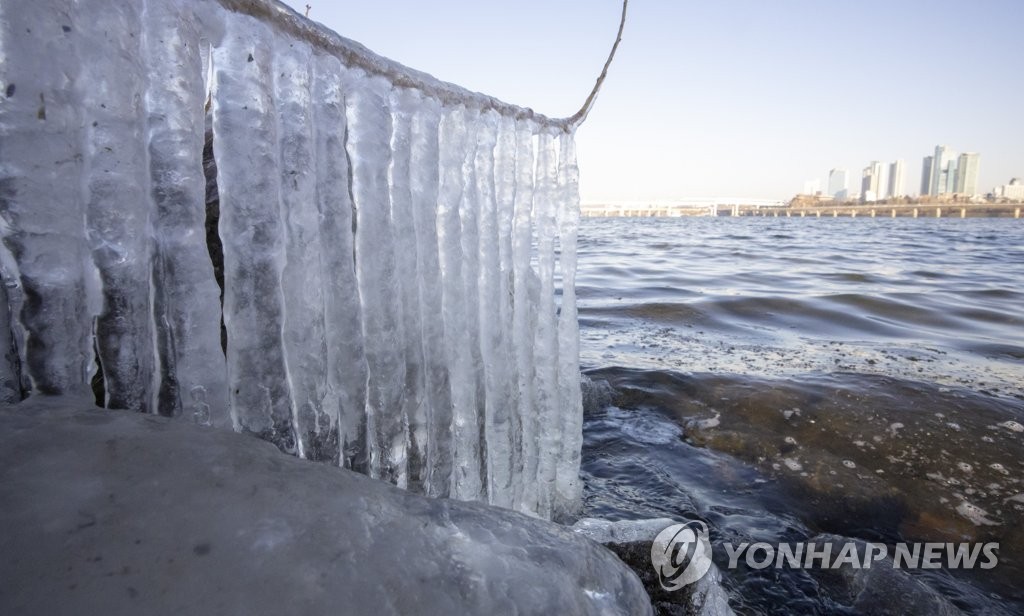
{"x":967,"y":174}
{"x":838,"y":183}
{"x":895,"y":179}
{"x":943,"y":171}
{"x":871,"y":181}
{"x":926,"y":176}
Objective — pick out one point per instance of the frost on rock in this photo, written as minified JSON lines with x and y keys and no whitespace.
{"x":234,"y":523}
{"x":398,"y":253}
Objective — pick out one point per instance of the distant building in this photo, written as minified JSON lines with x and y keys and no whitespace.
{"x":1013,"y":191}
{"x":839,"y":183}
{"x":895,"y":179}
{"x":967,"y":174}
{"x":926,"y":176}
{"x":871,"y":180}
{"x":943,"y":171}
{"x":812,"y":187}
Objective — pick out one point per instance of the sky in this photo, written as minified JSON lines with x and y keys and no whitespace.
{"x":729,"y":98}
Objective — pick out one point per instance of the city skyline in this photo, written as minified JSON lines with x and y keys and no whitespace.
{"x":731,"y":98}
{"x":956,"y":173}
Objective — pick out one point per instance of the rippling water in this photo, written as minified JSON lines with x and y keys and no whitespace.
{"x":784,"y":378}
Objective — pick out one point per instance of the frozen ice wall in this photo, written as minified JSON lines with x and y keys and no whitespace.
{"x":399,"y":253}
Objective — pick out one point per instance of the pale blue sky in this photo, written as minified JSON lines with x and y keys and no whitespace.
{"x":742,"y":98}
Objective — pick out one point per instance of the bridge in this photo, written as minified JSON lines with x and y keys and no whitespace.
{"x":778,"y":209}
{"x":713,"y":206}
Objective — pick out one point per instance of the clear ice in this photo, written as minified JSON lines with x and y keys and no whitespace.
{"x":399,"y":253}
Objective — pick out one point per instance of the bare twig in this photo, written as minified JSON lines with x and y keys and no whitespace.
{"x":581,"y":115}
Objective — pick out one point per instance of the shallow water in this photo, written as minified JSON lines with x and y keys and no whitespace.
{"x":782,"y":378}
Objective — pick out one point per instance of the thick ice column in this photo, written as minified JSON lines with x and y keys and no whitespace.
{"x":545,"y":341}
{"x":404,"y":103}
{"x":456,"y":151}
{"x":346,"y":358}
{"x":118,"y":203}
{"x":508,"y":391}
{"x":570,"y":405}
{"x":302,"y":281}
{"x":469,"y":434}
{"x":369,"y":150}
{"x":41,"y":200}
{"x":246,"y":149}
{"x":193,"y":377}
{"x":424,"y":184}
{"x":496,"y":372}
{"x":523,"y":319}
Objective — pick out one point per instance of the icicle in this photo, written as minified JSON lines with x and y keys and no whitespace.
{"x":570,"y":401}
{"x":469,"y":429}
{"x":346,"y":359}
{"x":507,"y":376}
{"x":454,"y":144}
{"x":41,"y":200}
{"x":424,"y":184}
{"x":302,"y":282}
{"x":496,"y":399}
{"x":389,"y":244}
{"x":523,"y":317}
{"x":116,"y":182}
{"x":186,"y":296}
{"x":246,"y":148}
{"x":545,"y":342}
{"x":369,"y":149}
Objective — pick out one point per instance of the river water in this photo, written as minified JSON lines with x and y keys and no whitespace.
{"x":784,"y":379}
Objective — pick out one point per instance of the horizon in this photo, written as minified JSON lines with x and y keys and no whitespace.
{"x":735,"y":97}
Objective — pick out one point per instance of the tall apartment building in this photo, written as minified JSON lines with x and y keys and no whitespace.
{"x":943,"y":171}
{"x":895,"y":179}
{"x":838,"y":183}
{"x":871,"y":180}
{"x":926,"y":176}
{"x":967,"y":174}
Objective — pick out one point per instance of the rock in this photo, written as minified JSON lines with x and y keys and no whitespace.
{"x":111,"y":512}
{"x":631,"y":541}
{"x":880,"y":589}
{"x":621,"y":531}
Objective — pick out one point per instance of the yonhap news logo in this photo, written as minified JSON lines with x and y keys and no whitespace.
{"x":681,"y":554}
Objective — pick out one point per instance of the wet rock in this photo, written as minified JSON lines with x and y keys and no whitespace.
{"x":111,"y":512}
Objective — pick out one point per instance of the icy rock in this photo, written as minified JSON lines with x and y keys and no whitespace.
{"x":111,"y":512}
{"x":621,"y":531}
{"x":631,"y":542}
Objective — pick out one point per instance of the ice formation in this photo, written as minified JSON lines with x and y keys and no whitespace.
{"x":399,"y":253}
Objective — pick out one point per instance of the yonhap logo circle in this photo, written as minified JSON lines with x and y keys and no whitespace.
{"x":681,"y":554}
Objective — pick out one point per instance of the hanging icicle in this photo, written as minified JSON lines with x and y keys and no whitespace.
{"x":392,"y":245}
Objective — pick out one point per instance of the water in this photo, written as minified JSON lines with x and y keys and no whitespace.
{"x":784,"y":378}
